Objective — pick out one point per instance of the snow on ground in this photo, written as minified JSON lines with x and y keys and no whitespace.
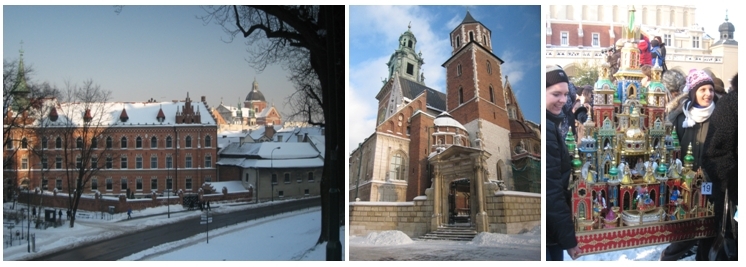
{"x":89,"y":226}
{"x":290,"y":236}
{"x":486,"y":246}
{"x":387,"y":238}
{"x":649,"y":253}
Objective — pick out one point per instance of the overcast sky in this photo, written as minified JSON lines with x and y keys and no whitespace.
{"x":159,"y":52}
{"x":375,"y":30}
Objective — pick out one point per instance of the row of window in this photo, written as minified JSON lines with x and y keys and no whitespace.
{"x":459,"y":69}
{"x":109,"y":142}
{"x":461,"y":95}
{"x":123,"y":162}
{"x":123,"y":185}
{"x":595,"y":39}
{"x":287,"y":178}
{"x":471,"y":38}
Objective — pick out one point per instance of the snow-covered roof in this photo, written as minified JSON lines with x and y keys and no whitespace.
{"x":232,"y":186}
{"x":139,"y":114}
{"x":268,"y":150}
{"x":258,"y":133}
{"x":445,"y":119}
{"x":273,"y":163}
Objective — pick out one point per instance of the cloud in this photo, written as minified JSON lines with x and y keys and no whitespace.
{"x":360,"y":125}
{"x":513,"y":67}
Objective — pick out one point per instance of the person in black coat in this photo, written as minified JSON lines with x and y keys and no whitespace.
{"x":560,"y":227}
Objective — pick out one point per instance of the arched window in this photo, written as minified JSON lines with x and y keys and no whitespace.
{"x":94,"y":143}
{"x":489,"y":67}
{"x":108,"y":142}
{"x":460,"y":96}
{"x":409,"y":43}
{"x":124,"y":142}
{"x":458,"y":70}
{"x":492,"y":94}
{"x":138,"y":142}
{"x":188,"y":141}
{"x":153,"y":142}
{"x":458,"y":42}
{"x":79,"y":142}
{"x":208,"y":141}
{"x":471,"y":36}
{"x":168,"y":142}
{"x":24,"y":143}
{"x":396,"y":167}
{"x":484,"y":39}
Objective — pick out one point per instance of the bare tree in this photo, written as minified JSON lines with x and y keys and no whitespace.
{"x":83,"y":119}
{"x":305,"y":102}
{"x":273,"y":34}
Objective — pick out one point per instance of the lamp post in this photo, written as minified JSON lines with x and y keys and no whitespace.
{"x":271,"y":167}
{"x":28,"y":218}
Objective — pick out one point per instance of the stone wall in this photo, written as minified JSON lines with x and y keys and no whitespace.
{"x":412,"y":218}
{"x":512,"y":212}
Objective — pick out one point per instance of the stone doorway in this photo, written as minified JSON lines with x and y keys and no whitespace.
{"x":459,"y":202}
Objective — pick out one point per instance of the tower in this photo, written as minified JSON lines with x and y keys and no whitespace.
{"x":255,"y":99}
{"x":475,"y":95}
{"x":404,"y":62}
{"x":20,"y":89}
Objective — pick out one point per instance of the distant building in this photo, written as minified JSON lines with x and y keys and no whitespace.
{"x":254,"y":111}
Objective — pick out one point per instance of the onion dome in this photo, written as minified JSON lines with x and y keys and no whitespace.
{"x":53,"y":114}
{"x":255,"y":95}
{"x":675,"y":138}
{"x":570,"y":141}
{"x":662,"y":169}
{"x":123,"y":116}
{"x":689,"y":158}
{"x":576,"y":163}
{"x":445,"y":120}
{"x":613,"y":171}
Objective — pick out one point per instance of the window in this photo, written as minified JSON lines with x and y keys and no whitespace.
{"x":138,"y":162}
{"x":489,"y":67}
{"x":168,"y":142}
{"x":492,"y":94}
{"x":24,"y":143}
{"x":153,"y":142}
{"x":123,"y":183}
{"x":247,"y":177}
{"x":94,"y":184}
{"x":58,"y":142}
{"x":564,"y":39}
{"x":274,"y":178}
{"x":409,"y":43}
{"x":279,"y":138}
{"x":123,"y":162}
{"x":208,"y":161}
{"x":695,"y":42}
{"x":189,"y":183}
{"x":109,"y":162}
{"x":208,"y":141}
{"x":395,"y":167}
{"x":458,"y":41}
{"x":24,"y":163}
{"x":188,"y":141}
{"x":188,"y":161}
{"x":153,"y":183}
{"x":460,"y":96}
{"x":58,"y":162}
{"x":458,"y":70}
{"x":9,"y":145}
{"x":595,"y":40}
{"x":78,"y":162}
{"x":138,"y":182}
{"x":58,"y":184}
{"x":471,"y":36}
{"x":310,"y":176}
{"x":108,"y":142}
{"x":44,"y":142}
{"x":44,"y":163}
{"x":138,"y":142}
{"x":410,"y":69}
{"x":287,"y":178}
{"x":124,"y":142}
{"x":44,"y":184}
{"x":153,"y":162}
{"x":169,"y":184}
{"x":169,"y":162}
{"x":109,"y":184}
{"x":94,"y":163}
{"x":281,"y":194}
{"x":300,"y":179}
{"x":79,"y":143}
{"x":305,"y":192}
{"x":94,"y":143}
{"x":667,"y":39}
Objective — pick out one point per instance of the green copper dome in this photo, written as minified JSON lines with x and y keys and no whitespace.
{"x":662,"y":168}
{"x":613,"y":171}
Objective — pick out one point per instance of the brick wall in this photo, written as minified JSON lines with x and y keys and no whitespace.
{"x":511,"y":212}
{"x":412,"y":218}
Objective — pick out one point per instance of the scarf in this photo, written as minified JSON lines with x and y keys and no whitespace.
{"x":696,"y":115}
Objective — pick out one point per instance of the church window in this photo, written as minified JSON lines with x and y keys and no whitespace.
{"x":409,"y":43}
{"x":153,"y":142}
{"x":410,"y":69}
{"x":471,"y":36}
{"x":461,"y":96}
{"x":24,"y":143}
{"x":489,"y":67}
{"x":124,"y":142}
{"x":492,"y":92}
{"x":168,"y":142}
{"x":138,"y":142}
{"x":396,"y":167}
{"x":484,"y":39}
{"x":188,"y":141}
{"x":458,"y":41}
{"x":208,"y":141}
{"x":458,"y":70}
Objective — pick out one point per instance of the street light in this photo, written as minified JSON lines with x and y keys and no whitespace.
{"x":271,"y":167}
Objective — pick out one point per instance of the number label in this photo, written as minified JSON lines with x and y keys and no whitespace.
{"x":707,"y":188}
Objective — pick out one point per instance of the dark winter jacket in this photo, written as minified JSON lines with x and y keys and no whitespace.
{"x":696,"y":135}
{"x":721,"y":155}
{"x":560,"y":226}
{"x":657,"y":57}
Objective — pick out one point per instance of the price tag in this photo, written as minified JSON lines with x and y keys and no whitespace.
{"x":707,"y":188}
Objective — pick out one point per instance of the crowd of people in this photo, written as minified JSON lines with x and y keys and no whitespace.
{"x":703,"y":113}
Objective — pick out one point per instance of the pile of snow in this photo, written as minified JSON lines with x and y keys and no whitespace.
{"x":494,"y":239}
{"x":535,"y":231}
{"x":391,"y":237}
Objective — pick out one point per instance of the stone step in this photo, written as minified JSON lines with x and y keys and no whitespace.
{"x":450,"y":232}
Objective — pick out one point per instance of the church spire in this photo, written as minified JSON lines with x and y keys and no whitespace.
{"x":20,"y":89}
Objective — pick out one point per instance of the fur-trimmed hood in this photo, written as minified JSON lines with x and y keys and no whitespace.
{"x":676,"y":107}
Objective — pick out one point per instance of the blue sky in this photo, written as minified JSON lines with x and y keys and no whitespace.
{"x":159,"y":52}
{"x":374,"y":31}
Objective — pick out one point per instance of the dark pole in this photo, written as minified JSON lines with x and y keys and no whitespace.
{"x":272,"y":168}
{"x":28,"y":219}
{"x":168,"y":194}
{"x":336,"y":28}
{"x":176,"y":161}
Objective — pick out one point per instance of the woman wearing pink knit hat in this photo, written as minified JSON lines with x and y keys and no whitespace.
{"x":690,"y":114}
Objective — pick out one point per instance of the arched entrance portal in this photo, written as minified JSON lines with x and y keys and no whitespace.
{"x":459,"y":199}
